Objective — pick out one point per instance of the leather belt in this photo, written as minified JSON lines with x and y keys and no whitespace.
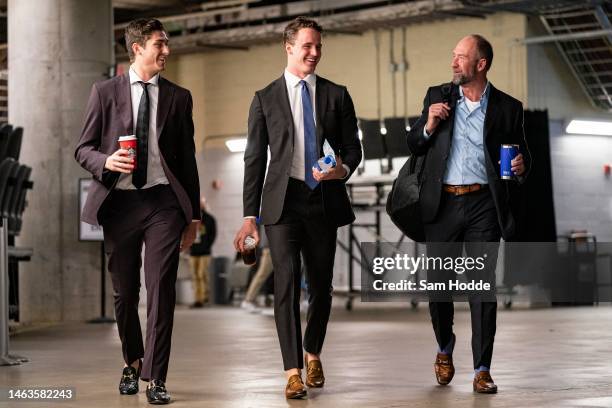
{"x":464,"y":189}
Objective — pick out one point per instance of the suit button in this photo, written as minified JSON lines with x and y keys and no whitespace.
{"x":439,"y":180}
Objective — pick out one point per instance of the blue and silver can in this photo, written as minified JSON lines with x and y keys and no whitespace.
{"x":506,"y":154}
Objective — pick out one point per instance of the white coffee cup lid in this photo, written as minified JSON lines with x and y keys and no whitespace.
{"x":126,"y":138}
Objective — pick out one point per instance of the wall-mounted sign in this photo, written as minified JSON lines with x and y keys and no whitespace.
{"x":87,"y":232}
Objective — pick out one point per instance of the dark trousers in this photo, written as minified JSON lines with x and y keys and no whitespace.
{"x":131,"y":218}
{"x":303,"y":229}
{"x":467,"y":222}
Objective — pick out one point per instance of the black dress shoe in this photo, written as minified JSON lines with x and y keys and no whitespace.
{"x":129,"y":380}
{"x":156,"y":393}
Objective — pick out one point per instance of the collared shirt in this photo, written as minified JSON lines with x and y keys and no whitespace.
{"x":466,"y":162}
{"x":294,"y":89}
{"x":155,"y":171}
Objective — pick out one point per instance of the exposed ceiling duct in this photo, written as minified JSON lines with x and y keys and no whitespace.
{"x":239,"y":26}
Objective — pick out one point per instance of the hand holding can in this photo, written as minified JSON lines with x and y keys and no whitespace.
{"x":507,"y":153}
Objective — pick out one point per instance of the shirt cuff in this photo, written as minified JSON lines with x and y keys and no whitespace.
{"x":425,"y":134}
{"x":250,"y":216}
{"x":348,"y":171}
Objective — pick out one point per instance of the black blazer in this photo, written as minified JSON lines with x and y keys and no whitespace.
{"x":503,"y":125}
{"x":271,"y":125}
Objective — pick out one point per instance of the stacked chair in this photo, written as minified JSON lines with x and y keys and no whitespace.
{"x":14,"y":183}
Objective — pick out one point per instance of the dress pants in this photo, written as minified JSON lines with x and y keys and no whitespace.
{"x":466,"y":222}
{"x":302,"y":229}
{"x":132,"y":217}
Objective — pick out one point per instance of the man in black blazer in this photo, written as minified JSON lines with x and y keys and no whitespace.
{"x":301,"y":208}
{"x":153,"y":199}
{"x":462,"y":197}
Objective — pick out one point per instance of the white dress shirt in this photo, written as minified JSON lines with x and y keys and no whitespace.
{"x":155,"y":171}
{"x":294,"y":89}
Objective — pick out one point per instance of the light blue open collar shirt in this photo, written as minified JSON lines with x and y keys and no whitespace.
{"x":466,"y":162}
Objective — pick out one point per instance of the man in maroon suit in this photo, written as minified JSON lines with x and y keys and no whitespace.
{"x":153,"y":199}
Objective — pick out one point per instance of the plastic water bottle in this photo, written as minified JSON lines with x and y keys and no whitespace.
{"x":328,"y":161}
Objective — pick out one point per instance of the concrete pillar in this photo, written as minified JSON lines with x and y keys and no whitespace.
{"x":57,"y":50}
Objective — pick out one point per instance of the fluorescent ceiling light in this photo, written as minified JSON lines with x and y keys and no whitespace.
{"x":589,"y":127}
{"x":236,"y":145}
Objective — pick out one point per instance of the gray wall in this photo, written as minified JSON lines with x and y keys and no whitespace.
{"x":582,"y":194}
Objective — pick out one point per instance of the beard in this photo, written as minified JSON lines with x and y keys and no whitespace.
{"x":464,"y":78}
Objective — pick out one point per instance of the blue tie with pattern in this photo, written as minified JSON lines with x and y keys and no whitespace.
{"x":310,"y":137}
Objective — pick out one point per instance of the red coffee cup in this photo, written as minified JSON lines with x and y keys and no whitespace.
{"x":129,"y":143}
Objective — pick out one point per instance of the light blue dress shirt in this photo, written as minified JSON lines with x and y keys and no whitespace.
{"x":466,"y":162}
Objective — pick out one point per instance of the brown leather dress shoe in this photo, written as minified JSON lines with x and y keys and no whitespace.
{"x":483,"y":383}
{"x":314,"y":373}
{"x":444,"y":368}
{"x":295,"y":388}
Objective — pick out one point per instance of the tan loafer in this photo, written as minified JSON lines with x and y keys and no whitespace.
{"x":295,"y":387}
{"x":483,"y":383}
{"x":444,"y":368}
{"x":314,"y":373}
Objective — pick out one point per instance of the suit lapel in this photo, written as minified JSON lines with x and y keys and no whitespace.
{"x":124,"y":102}
{"x":492,"y":111}
{"x":445,"y":134}
{"x":490,"y":117}
{"x":164,"y":101}
{"x":320,"y":108}
{"x":282,"y":97}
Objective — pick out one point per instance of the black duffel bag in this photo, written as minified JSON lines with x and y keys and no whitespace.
{"x":403,"y":201}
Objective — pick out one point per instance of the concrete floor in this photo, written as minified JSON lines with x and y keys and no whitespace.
{"x":375,"y":356}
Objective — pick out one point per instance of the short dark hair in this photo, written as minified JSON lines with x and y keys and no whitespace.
{"x":139,"y":31}
{"x":296,"y":25}
{"x":484,"y":49}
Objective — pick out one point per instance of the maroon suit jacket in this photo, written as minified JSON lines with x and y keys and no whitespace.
{"x":109,"y":115}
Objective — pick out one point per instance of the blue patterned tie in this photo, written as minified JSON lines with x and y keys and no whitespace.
{"x":310,"y":137}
